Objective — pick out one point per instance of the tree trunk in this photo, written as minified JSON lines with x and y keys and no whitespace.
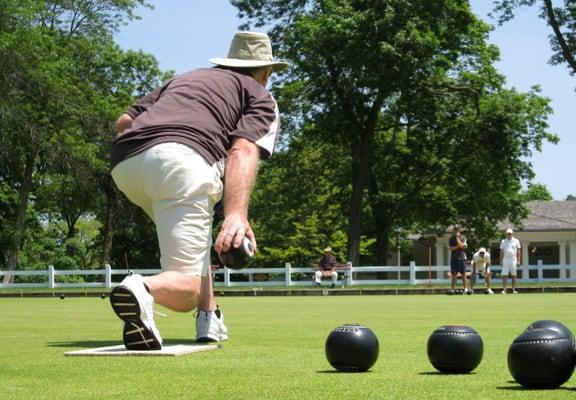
{"x":382,"y":240}
{"x":361,"y":165}
{"x":355,"y":216}
{"x":20,"y":223}
{"x":111,"y":200}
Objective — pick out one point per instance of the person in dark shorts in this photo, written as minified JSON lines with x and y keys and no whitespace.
{"x":457,"y":244}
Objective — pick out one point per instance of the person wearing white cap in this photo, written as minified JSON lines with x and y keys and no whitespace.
{"x":178,"y":150}
{"x":481,"y":265}
{"x":327,"y":264}
{"x":510,"y":259}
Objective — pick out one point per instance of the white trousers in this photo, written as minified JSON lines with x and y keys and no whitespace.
{"x":319,"y":274}
{"x":178,"y":189}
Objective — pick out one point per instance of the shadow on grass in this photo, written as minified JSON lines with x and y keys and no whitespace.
{"x":89,"y":344}
{"x":513,"y":386}
{"x":333,"y":371}
{"x":85,"y":343}
{"x":438,"y":373}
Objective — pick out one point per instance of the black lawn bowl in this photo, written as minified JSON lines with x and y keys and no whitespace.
{"x":454,"y":349}
{"x":541,"y":359}
{"x":551,"y":325}
{"x":240,"y":257}
{"x":352,"y":348}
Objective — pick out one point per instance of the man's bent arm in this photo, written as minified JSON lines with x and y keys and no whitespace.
{"x":240,"y":176}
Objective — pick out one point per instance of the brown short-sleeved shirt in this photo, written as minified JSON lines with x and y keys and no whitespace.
{"x":328,"y":263}
{"x":204,"y":109}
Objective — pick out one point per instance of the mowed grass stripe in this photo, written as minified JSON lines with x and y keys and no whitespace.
{"x":275,"y":351}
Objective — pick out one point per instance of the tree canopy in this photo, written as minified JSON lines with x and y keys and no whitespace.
{"x":63,"y":83}
{"x":409,"y":92}
{"x":394,"y":120}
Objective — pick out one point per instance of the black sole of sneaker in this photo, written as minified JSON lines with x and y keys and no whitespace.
{"x":136,"y":335}
{"x":205,"y":340}
{"x":125,"y":304}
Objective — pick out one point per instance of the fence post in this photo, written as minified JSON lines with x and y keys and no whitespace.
{"x":107,"y":276}
{"x":226,"y":277}
{"x":288,"y":274}
{"x":412,"y":273}
{"x":349,"y":281}
{"x":540,"y":272}
{"x":51,"y":277}
{"x":563,"y":272}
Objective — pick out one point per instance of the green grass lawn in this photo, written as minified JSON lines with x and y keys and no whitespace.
{"x":275,"y":351}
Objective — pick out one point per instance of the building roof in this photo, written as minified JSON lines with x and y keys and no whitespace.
{"x":552,"y":215}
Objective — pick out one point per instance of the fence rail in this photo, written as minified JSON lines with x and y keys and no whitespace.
{"x":287,"y":276}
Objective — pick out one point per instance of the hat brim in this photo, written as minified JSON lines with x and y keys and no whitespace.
{"x":277,"y":66}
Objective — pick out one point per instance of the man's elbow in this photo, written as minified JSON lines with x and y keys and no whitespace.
{"x":244,"y":148}
{"x":123,"y":122}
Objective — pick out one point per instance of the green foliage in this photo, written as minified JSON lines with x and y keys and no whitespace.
{"x":395,"y":119}
{"x":135,"y":242}
{"x":421,"y":119}
{"x":297,"y":204}
{"x":63,"y":83}
{"x":536,"y":191}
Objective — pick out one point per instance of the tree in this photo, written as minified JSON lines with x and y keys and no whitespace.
{"x":46,"y":92}
{"x":562,"y":21}
{"x":536,"y":191}
{"x":408,"y":88}
{"x":297,"y":204}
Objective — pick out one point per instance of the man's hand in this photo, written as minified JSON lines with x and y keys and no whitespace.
{"x":233,"y":230}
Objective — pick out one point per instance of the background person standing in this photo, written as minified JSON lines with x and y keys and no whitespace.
{"x":510,"y":259}
{"x":457,"y":244}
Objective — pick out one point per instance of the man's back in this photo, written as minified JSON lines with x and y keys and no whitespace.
{"x":204,"y":109}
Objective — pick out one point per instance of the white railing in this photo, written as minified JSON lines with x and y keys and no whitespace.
{"x":291,"y":276}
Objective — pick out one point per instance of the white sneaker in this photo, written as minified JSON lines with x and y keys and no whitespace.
{"x":489,"y":291}
{"x":210,"y":326}
{"x":504,"y":291}
{"x":514,"y":291}
{"x":135,"y":306}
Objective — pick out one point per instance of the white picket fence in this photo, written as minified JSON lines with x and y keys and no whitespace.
{"x":288,"y":276}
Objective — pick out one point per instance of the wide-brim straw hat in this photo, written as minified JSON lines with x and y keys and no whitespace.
{"x":250,"y":50}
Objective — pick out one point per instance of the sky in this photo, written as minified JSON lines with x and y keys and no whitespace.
{"x":183,"y":35}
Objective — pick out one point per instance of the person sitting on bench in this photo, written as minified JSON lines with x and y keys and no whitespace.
{"x":327,"y":264}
